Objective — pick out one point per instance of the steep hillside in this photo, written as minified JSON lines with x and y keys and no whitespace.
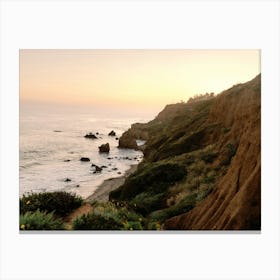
{"x":235,"y":203}
{"x":202,"y":164}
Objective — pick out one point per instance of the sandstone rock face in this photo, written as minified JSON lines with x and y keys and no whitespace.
{"x":235,"y":202}
{"x":127,"y":141}
{"x":128,"y":138}
{"x":104,"y":148}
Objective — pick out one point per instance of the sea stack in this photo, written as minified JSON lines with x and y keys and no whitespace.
{"x":104,"y":148}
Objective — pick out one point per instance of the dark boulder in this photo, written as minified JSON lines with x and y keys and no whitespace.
{"x":117,"y":138}
{"x":66,"y":160}
{"x":67,"y":180}
{"x":104,"y":148}
{"x":98,"y":169}
{"x":90,"y":136}
{"x":84,"y":159}
{"x":112,"y":133}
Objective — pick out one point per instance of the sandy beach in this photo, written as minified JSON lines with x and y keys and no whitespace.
{"x":102,"y":192}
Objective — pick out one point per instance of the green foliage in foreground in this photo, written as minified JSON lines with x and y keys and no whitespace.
{"x":60,"y":203}
{"x":109,"y":216}
{"x":40,"y":221}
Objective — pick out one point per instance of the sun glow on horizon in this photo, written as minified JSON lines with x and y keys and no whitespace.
{"x":147,"y":79}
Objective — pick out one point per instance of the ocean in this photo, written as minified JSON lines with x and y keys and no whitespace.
{"x":52,"y":143}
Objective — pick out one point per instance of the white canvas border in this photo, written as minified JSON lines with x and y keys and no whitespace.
{"x":140,"y":24}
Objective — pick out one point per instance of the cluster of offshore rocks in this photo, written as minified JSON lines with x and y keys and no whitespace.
{"x":128,"y":140}
{"x":104,"y":148}
{"x":96,"y":135}
{"x":98,"y":169}
{"x":125,"y":141}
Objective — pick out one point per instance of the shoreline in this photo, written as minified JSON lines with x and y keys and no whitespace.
{"x":101,"y":194}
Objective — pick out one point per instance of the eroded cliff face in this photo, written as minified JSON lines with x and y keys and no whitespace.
{"x":202,"y":164}
{"x":235,"y":202}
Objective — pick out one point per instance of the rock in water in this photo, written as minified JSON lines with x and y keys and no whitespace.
{"x":98,"y":169}
{"x":112,"y":133}
{"x":84,"y":159}
{"x":90,"y":136}
{"x":104,"y":148}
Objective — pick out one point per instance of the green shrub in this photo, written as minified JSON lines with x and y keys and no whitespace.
{"x":210,"y":177}
{"x":95,"y":222}
{"x":185,"y":205}
{"x":203,"y":193}
{"x":154,"y":178}
{"x":61,"y":203}
{"x":146,"y":203}
{"x":40,"y":221}
{"x":154,"y":226}
{"x":209,"y":158}
{"x":230,"y":152}
{"x":109,"y":216}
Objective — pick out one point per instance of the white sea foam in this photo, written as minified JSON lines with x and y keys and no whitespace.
{"x":51,"y":146}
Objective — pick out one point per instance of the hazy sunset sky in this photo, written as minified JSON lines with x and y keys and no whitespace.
{"x":147,"y":79}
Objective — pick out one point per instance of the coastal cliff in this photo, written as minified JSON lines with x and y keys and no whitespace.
{"x":202,"y":163}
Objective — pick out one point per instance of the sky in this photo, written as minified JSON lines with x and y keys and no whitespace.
{"x":130,"y":80}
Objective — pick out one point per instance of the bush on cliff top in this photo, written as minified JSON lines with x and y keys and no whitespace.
{"x":60,"y":203}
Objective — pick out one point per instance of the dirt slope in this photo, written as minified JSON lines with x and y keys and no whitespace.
{"x":235,"y":202}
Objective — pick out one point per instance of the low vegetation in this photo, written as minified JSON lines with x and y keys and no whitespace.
{"x":45,"y":211}
{"x":110,"y":216}
{"x":40,"y":221}
{"x":60,"y":203}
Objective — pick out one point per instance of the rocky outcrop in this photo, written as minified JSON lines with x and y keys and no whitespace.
{"x":90,"y":136}
{"x":97,"y":169}
{"x":127,"y":141}
{"x":137,"y":131}
{"x":112,"y":133}
{"x":84,"y":159}
{"x":104,"y":148}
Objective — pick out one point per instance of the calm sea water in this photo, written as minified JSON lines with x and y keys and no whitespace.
{"x":52,"y":143}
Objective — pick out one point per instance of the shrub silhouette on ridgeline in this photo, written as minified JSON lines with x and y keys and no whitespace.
{"x":201,"y":97}
{"x":60,"y":203}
